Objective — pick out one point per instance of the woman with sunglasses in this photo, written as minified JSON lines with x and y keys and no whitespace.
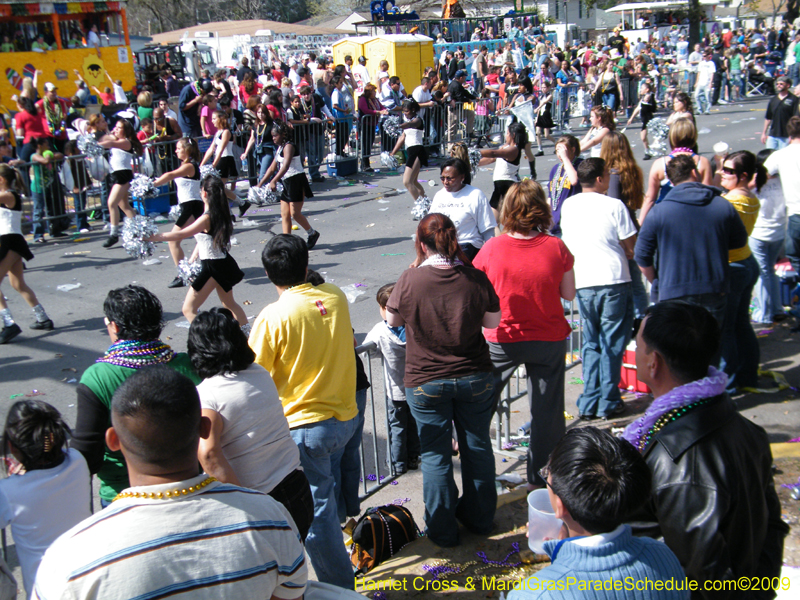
{"x":466,"y":206}
{"x":739,"y":345}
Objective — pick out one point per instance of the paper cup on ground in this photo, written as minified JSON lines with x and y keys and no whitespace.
{"x":542,"y":523}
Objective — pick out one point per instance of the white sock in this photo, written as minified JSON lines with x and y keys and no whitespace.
{"x":246,"y":329}
{"x":41,"y":316}
{"x":8,"y":320}
{"x":114,"y":230}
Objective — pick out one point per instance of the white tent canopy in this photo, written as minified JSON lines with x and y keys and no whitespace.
{"x":665,"y":6}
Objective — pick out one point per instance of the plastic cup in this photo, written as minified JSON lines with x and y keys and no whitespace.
{"x":542,"y":522}
{"x":721,"y":149}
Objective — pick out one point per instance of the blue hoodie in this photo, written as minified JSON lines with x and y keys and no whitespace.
{"x":691,"y":229}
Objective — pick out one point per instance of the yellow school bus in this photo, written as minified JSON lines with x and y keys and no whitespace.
{"x":56,"y":38}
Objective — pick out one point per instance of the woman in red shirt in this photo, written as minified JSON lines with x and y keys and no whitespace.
{"x":249,"y":87}
{"x":30,"y":124}
{"x":531,"y":271}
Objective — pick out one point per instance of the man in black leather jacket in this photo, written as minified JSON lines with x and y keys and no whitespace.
{"x":713,"y":499}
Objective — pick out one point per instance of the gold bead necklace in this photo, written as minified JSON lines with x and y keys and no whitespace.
{"x":168,"y":495}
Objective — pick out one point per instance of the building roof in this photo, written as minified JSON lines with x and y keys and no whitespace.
{"x":248,"y":27}
{"x":672,"y":5}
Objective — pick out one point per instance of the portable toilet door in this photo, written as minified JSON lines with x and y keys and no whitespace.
{"x":354,"y":46}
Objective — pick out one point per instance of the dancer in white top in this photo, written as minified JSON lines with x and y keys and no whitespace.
{"x":288,"y":168}
{"x":416,"y":155}
{"x":13,"y":250}
{"x":122,"y":144}
{"x":187,"y":183}
{"x":212,"y":232}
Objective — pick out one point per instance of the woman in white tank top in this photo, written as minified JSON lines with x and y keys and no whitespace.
{"x":506,"y":161}
{"x":122,"y":144}
{"x":416,"y":155}
{"x":288,"y":169}
{"x":187,"y":182}
{"x":13,"y":251}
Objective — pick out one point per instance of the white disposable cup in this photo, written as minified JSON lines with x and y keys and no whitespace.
{"x":721,"y":149}
{"x":542,"y":522}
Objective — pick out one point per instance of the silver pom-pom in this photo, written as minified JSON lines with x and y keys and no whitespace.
{"x":89,"y":146}
{"x":421,"y":207}
{"x":391,"y":126}
{"x":175,"y":212}
{"x":474,"y":158}
{"x":264,"y":195}
{"x":142,"y":187}
{"x":389,"y":161}
{"x":659,"y":132}
{"x":208,"y":169}
{"x":188,"y":271}
{"x":133,"y":233}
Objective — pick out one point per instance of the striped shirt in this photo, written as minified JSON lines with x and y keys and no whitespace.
{"x":219,"y":542}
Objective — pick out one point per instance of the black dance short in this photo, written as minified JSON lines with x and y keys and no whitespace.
{"x":189,"y":209}
{"x":227,"y":167}
{"x":500,"y":189}
{"x":15,"y":242}
{"x":296,"y":188}
{"x":224,"y":271}
{"x":121,"y":177}
{"x":415,"y":152}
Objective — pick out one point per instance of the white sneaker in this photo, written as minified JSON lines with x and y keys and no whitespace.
{"x":721,"y":101}
{"x":85,"y":230}
{"x":106,"y":226}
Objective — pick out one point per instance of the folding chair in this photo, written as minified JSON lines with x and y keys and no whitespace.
{"x":756,"y":86}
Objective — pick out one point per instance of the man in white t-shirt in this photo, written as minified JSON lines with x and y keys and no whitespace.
{"x":176,"y":530}
{"x":785,"y":162}
{"x":694,"y":60}
{"x":705,"y":76}
{"x":599,"y":232}
{"x":422,"y":94}
{"x":682,"y":48}
{"x":361,"y":74}
{"x":294,"y":76}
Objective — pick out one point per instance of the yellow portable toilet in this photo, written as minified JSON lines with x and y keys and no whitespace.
{"x":407,"y":54}
{"x":354,"y":46}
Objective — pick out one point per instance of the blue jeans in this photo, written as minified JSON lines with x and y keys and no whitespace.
{"x":705,"y":92}
{"x":81,"y":219}
{"x":640,"y":299}
{"x":607,"y":317}
{"x":265,"y":162}
{"x":347,"y":478}
{"x":739,"y":345}
{"x":39,"y":226}
{"x":792,"y":242}
{"x":468,"y":402}
{"x":794,"y":73}
{"x":777,"y":143}
{"x":767,"y":292}
{"x":321,"y":446}
{"x":403,"y":434}
{"x":315,"y":152}
{"x":610,"y":100}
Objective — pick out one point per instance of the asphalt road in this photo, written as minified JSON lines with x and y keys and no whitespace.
{"x":366,"y":241}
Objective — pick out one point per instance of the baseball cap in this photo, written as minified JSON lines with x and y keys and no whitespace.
{"x":362,"y":59}
{"x":305,"y":56}
{"x":475,"y":51}
{"x":461,"y":73}
{"x":302,"y":86}
{"x":50,"y":87}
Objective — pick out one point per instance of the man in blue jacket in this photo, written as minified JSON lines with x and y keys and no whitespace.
{"x":683,"y":244}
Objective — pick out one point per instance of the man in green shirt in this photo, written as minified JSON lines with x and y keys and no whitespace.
{"x":134,"y":319}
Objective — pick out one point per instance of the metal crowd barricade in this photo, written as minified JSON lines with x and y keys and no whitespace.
{"x":374,"y":412}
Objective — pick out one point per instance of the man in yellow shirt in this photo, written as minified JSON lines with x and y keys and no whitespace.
{"x":305,"y":341}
